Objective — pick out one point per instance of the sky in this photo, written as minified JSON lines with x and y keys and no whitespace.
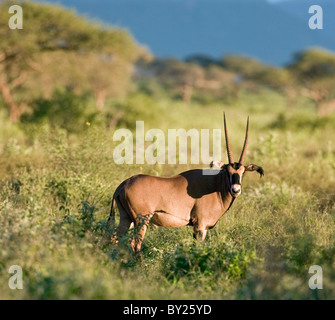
{"x":272,"y":31}
{"x":276,"y":1}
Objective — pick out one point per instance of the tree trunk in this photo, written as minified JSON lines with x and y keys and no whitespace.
{"x":325,"y":109}
{"x":187,"y":93}
{"x":291,"y":95}
{"x":319,"y":97}
{"x":100,"y":98}
{"x":14,"y":108}
{"x":116,"y":117}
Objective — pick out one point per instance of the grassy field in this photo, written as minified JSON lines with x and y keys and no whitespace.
{"x":56,"y":191}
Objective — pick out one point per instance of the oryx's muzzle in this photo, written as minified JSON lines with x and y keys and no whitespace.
{"x":235,"y":188}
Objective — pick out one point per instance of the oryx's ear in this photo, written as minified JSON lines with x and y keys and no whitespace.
{"x":253,"y":167}
{"x":216,"y":164}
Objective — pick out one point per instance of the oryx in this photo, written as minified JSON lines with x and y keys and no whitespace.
{"x":195,"y":198}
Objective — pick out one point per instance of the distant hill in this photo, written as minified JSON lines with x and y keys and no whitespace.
{"x":178,"y":28}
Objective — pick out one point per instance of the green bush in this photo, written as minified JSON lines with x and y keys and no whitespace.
{"x":64,"y":109}
{"x":212,"y":261}
{"x":301,"y":121}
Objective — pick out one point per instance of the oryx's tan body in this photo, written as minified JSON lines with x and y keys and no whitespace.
{"x":196,"y":197}
{"x":190,"y":198}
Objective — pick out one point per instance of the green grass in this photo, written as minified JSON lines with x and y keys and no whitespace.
{"x":56,"y":192}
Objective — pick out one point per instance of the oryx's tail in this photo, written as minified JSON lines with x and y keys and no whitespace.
{"x":111,"y":218}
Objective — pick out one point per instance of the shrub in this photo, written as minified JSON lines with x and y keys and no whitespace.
{"x":64,"y":109}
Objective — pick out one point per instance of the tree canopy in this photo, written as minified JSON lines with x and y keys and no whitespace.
{"x":53,"y":38}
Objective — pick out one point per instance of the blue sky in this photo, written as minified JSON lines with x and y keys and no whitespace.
{"x":269,"y":30}
{"x":274,"y":1}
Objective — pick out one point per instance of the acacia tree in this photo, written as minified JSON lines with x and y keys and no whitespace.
{"x":315,"y":71}
{"x":252,"y":69}
{"x":48,"y":29}
{"x":178,"y":75}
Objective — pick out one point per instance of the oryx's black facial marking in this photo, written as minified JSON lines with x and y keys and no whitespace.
{"x":235,"y":178}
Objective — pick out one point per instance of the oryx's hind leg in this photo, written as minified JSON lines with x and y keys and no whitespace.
{"x":141,"y":225}
{"x":124,"y":224}
{"x":123,"y":227}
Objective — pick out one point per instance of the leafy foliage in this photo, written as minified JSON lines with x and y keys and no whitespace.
{"x":64,"y":109}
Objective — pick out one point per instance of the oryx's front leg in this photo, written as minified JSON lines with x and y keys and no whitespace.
{"x":141,"y":225}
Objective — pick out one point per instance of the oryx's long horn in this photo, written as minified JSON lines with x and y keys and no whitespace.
{"x":244,"y":150}
{"x":230,"y":158}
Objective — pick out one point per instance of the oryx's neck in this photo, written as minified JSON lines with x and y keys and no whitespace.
{"x":204,"y":182}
